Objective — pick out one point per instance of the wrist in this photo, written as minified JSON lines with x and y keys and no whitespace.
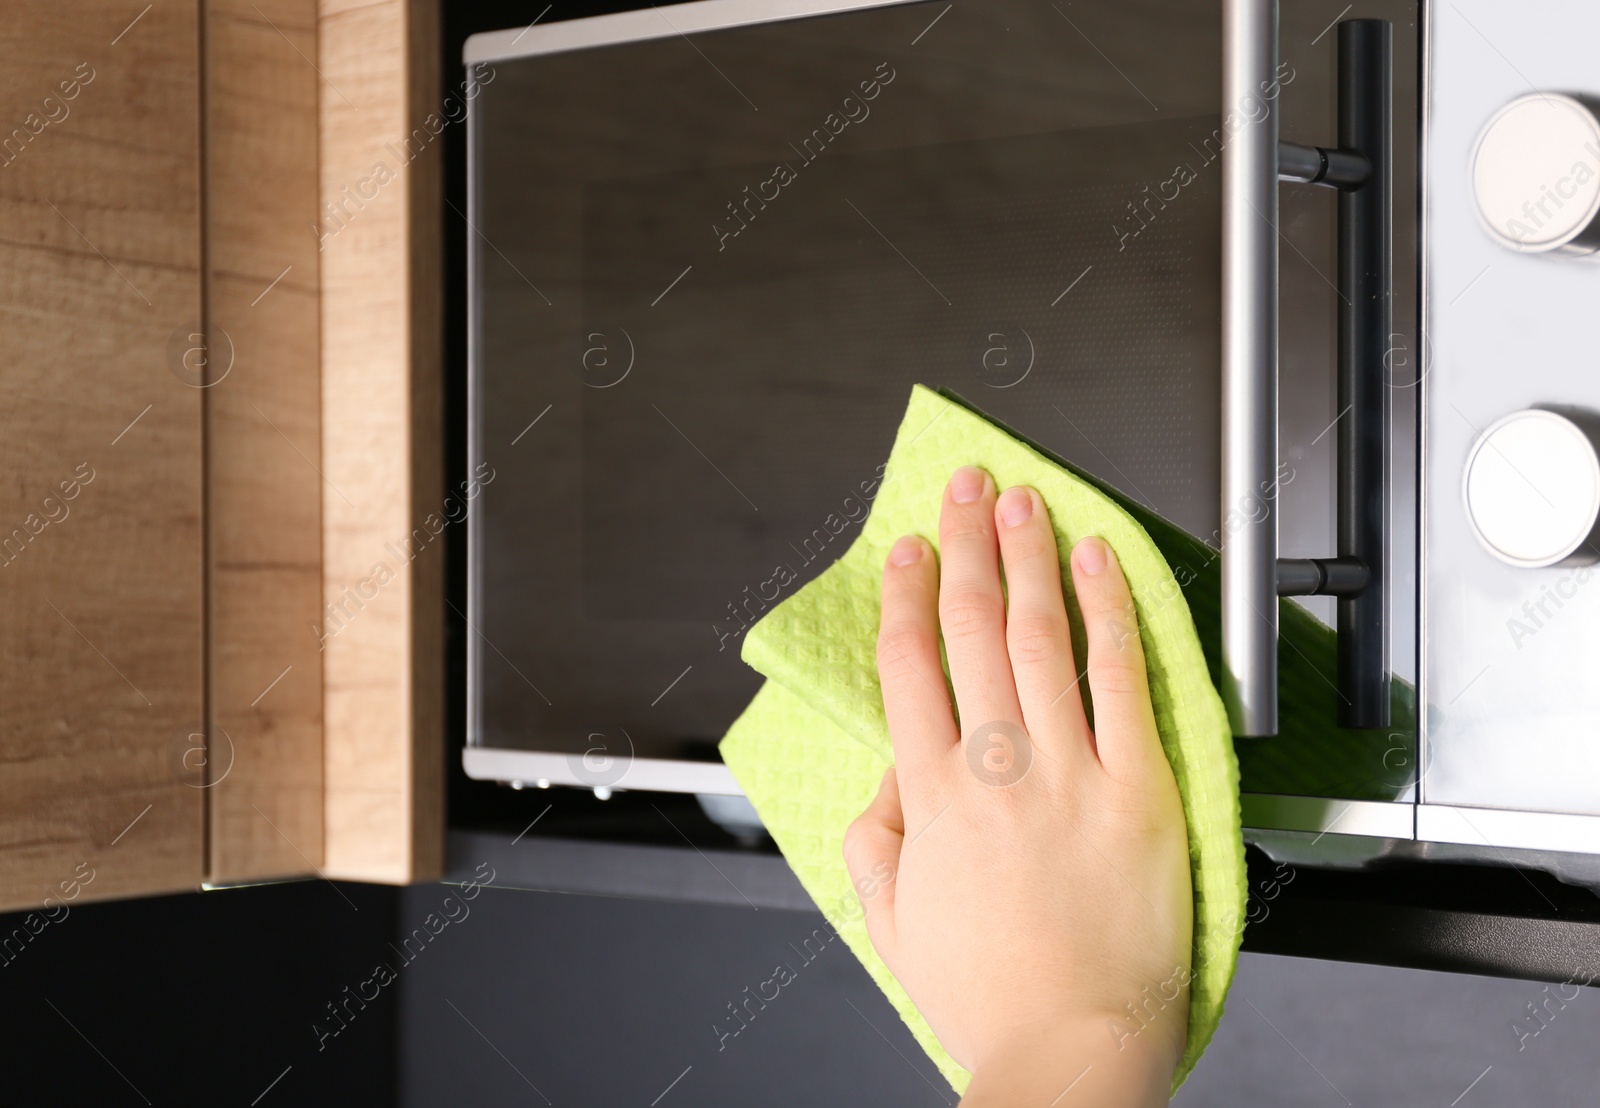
{"x":1100,"y":1059}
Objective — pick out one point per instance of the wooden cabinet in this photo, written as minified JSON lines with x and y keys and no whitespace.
{"x":215,"y":416}
{"x":382,"y":427}
{"x":263,"y":440}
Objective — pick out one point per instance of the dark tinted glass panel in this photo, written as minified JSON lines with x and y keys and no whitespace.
{"x":717,"y":267}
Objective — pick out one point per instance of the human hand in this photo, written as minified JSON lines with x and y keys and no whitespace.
{"x":1041,"y":871}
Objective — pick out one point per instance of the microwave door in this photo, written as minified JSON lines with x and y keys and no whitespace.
{"x":703,"y":286}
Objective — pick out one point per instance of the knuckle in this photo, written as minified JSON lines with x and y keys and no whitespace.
{"x":1032,"y":547}
{"x":1115,"y":622}
{"x":1110,"y":606}
{"x":864,"y":840}
{"x":965,"y":526}
{"x":1117,"y":675}
{"x":1035,"y":638}
{"x":967,"y":611}
{"x":1129,"y":809}
{"x":898,"y":645}
{"x":1038,"y":566}
{"x":853,"y":837}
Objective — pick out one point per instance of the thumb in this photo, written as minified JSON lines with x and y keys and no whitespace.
{"x":872,"y":855}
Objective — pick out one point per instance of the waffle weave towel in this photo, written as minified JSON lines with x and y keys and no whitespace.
{"x":812,"y":746}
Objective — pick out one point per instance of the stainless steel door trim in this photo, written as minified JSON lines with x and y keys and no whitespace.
{"x":1417,"y":523}
{"x":1511,"y":830}
{"x":533,"y":767}
{"x":1249,"y":371}
{"x":474,"y":445}
{"x":1368,"y":818}
{"x":638,"y":26}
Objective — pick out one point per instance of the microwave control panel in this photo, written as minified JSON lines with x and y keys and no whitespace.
{"x":1511,"y":518}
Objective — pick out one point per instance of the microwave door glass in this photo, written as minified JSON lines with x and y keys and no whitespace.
{"x":713,"y":286}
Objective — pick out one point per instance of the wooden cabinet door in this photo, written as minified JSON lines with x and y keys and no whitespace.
{"x":325,"y":619}
{"x":101,"y":543}
{"x":382,"y":427}
{"x":218,"y":412}
{"x":264,"y":459}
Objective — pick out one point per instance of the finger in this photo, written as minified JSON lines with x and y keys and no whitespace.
{"x":872,"y":855}
{"x":1124,"y":723}
{"x":1038,"y":636}
{"x":916,"y":702}
{"x":971,"y":606}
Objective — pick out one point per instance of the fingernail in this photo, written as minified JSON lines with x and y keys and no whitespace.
{"x":1015,"y":506}
{"x":966,"y":484}
{"x":1092,"y":555}
{"x":906,"y":550}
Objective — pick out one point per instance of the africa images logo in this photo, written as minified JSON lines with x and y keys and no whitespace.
{"x":854,"y":110}
{"x":1536,"y":213}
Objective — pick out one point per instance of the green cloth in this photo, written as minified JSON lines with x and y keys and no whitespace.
{"x":812,"y":746}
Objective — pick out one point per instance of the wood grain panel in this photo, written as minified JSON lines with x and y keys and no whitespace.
{"x":382,"y":563}
{"x":100,"y":445}
{"x":263,"y":440}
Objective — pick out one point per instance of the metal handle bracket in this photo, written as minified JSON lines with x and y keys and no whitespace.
{"x":1360,"y":168}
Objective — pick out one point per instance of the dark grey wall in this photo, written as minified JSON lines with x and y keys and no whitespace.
{"x":206,"y":999}
{"x":605,"y":1001}
{"x":1305,"y":1032}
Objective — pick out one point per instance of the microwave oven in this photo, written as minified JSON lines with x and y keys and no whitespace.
{"x":1310,"y":284}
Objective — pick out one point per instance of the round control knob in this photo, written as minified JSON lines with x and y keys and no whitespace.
{"x":1536,"y":175}
{"x":1532,"y":487}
